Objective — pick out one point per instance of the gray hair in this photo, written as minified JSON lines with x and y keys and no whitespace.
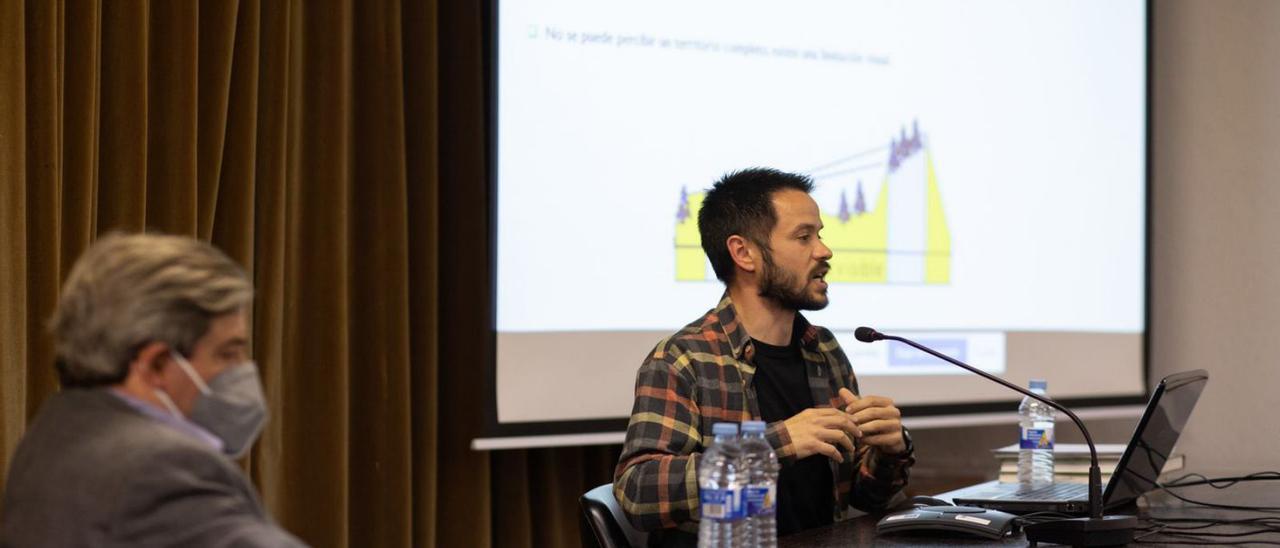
{"x":130,"y":290}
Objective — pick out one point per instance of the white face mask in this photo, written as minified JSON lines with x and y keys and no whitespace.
{"x":231,"y":405}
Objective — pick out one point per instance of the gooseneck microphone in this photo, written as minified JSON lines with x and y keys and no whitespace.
{"x":1095,"y":530}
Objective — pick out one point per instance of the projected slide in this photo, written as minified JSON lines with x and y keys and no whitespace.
{"x":979,"y":167}
{"x":917,"y":249}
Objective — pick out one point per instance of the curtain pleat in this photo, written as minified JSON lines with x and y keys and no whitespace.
{"x":121,"y":193}
{"x":43,"y":178}
{"x":381,"y":443}
{"x":465,"y":512}
{"x":172,"y":54}
{"x":420,"y":67}
{"x":227,"y":137}
{"x":272,"y":160}
{"x":13,"y":225}
{"x":80,"y":125}
{"x":337,"y":152}
{"x":317,"y":370}
{"x":513,"y":526}
{"x":216,"y":60}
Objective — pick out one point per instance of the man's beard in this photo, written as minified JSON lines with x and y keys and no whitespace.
{"x":782,"y":287}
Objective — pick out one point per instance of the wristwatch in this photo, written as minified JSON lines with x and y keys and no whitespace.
{"x":906,"y":439}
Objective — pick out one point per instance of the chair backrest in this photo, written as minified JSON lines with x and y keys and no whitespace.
{"x":603,"y":523}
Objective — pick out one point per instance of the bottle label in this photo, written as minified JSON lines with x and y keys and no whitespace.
{"x":720,"y":504}
{"x":1037,"y":438}
{"x":760,"y":500}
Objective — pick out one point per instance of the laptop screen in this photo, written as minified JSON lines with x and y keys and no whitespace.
{"x":1162,"y":422}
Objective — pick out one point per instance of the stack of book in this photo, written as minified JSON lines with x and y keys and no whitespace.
{"x":1071,"y":462}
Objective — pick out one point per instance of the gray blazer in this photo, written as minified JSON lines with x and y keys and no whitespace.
{"x":93,"y":471}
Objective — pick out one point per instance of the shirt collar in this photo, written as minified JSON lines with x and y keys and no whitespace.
{"x":738,"y":337}
{"x":179,"y":423}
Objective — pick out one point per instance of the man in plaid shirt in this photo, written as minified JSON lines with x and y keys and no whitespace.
{"x":754,"y":357}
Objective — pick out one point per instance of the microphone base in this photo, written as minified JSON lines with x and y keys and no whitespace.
{"x":1103,"y":531}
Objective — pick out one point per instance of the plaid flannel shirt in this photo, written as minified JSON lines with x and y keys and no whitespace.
{"x":702,"y":375}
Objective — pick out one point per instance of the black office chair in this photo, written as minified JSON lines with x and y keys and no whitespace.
{"x":603,"y":523}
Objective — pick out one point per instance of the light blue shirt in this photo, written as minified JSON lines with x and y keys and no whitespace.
{"x":178,"y":422}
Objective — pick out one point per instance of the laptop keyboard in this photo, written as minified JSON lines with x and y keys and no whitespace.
{"x":1052,"y":491}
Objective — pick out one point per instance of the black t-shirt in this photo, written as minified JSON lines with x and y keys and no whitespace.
{"x":782,"y":390}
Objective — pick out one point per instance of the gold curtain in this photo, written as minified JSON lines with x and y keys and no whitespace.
{"x":337,"y":150}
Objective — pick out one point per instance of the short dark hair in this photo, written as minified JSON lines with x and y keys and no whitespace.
{"x":741,"y":203}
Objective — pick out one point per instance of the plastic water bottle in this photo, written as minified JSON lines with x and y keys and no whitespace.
{"x":720,"y":490}
{"x":1035,"y":455}
{"x":760,"y":466}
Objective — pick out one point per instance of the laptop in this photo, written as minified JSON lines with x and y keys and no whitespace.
{"x":1136,"y":472}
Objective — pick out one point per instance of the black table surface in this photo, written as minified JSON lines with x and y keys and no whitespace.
{"x":861,"y":531}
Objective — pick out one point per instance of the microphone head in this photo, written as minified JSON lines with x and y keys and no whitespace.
{"x":866,"y":334}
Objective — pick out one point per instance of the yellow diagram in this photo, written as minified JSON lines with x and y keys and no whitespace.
{"x":865,"y":248}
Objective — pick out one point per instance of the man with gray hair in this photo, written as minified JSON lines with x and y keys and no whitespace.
{"x":158,"y":396}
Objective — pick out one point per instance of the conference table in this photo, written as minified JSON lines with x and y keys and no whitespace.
{"x":861,"y":531}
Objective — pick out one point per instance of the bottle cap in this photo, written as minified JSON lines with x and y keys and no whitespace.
{"x":1039,"y":384}
{"x":753,"y":427}
{"x":724,"y":429}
